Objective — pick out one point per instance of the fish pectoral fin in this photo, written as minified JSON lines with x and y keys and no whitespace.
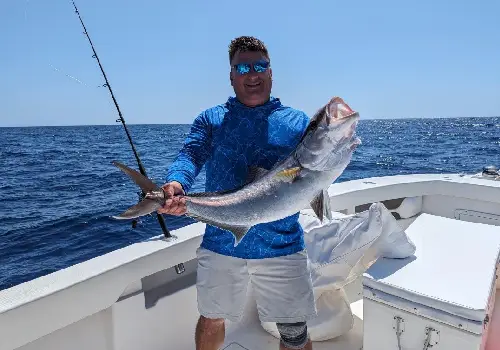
{"x":321,"y":206}
{"x":289,"y":175}
{"x":144,"y":207}
{"x":238,"y":231}
{"x":142,"y":181}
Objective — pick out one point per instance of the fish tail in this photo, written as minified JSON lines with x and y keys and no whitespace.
{"x":142,"y":181}
{"x":144,"y":207}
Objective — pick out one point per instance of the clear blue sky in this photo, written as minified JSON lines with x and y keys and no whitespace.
{"x":167,"y":60}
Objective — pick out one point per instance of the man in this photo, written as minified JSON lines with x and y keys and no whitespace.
{"x":251,"y":129}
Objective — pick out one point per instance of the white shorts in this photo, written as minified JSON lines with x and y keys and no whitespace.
{"x":282,"y":286}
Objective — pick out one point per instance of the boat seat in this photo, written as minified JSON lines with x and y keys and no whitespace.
{"x":453,"y":270}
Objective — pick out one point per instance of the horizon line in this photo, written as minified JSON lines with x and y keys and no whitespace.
{"x":128,"y":124}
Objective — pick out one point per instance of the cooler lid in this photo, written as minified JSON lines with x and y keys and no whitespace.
{"x":452,"y":270}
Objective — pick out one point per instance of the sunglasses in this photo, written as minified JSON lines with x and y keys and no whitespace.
{"x":244,"y":68}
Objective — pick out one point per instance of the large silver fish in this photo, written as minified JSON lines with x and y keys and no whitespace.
{"x":300,"y":180}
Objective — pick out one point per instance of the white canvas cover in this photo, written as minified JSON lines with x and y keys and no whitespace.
{"x":340,"y":251}
{"x":452,"y":273}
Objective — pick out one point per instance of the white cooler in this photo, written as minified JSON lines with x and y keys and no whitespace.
{"x":440,"y":298}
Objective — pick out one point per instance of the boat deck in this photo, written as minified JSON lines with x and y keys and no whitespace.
{"x":249,"y":335}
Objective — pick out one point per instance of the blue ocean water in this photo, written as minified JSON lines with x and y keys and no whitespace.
{"x":58,"y":187}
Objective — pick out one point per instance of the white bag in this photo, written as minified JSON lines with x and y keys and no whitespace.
{"x":340,"y":251}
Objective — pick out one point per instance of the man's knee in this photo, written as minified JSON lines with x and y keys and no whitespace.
{"x":293,"y":335}
{"x":210,"y":325}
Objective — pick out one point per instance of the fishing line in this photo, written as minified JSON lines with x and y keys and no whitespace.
{"x":69,"y":76}
{"x":26,"y":4}
{"x":26,"y":11}
{"x":180,"y":267}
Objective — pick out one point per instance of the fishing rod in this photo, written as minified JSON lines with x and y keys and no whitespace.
{"x":180,"y":267}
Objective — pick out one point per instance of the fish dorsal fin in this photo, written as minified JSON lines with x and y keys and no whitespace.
{"x":238,"y":231}
{"x":289,"y":175}
{"x":321,"y":206}
{"x":255,"y":173}
{"x":142,"y":181}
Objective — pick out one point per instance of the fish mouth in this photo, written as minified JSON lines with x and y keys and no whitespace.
{"x":341,"y":120}
{"x":338,"y":110}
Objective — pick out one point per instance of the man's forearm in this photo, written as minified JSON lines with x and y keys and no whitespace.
{"x":193,"y":155}
{"x":184,"y":171}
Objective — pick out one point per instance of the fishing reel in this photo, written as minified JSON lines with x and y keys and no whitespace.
{"x":490,"y":171}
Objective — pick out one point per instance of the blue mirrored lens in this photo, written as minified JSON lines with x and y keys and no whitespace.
{"x":242,"y":68}
{"x":261,"y":66}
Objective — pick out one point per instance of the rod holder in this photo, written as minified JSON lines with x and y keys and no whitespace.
{"x":180,"y":268}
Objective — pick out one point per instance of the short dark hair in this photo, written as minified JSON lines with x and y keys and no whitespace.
{"x":246,"y":43}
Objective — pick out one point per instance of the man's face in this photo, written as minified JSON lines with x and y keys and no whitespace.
{"x":253,"y":88}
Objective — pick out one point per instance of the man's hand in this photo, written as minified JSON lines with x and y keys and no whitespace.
{"x":175,"y":204}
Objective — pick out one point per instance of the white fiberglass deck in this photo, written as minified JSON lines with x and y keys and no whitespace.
{"x":250,"y":335}
{"x":132,"y":298}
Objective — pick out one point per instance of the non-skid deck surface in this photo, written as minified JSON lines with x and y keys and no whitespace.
{"x":255,"y":338}
{"x":248,"y":334}
{"x":235,"y":346}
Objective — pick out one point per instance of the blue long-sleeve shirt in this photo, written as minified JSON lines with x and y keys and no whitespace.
{"x":228,"y":139}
